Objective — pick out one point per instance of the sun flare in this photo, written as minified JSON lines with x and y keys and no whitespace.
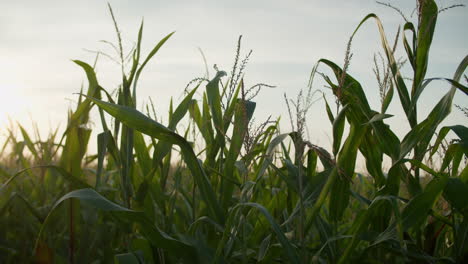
{"x":12,"y":104}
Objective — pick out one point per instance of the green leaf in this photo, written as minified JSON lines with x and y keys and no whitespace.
{"x":148,"y":58}
{"x":163,"y":148}
{"x":351,"y":95}
{"x":250,"y":108}
{"x":461,"y":239}
{"x":136,"y":55}
{"x":77,"y":135}
{"x":129,"y":258}
{"x":416,"y":211}
{"x":311,"y":164}
{"x":93,"y":90}
{"x":428,"y":19}
{"x":329,"y":111}
{"x":387,"y":99}
{"x":28,"y":142}
{"x":141,"y":151}
{"x":263,"y":248}
{"x":268,"y":158}
{"x":324,"y":193}
{"x":422,"y":133}
{"x":102,"y":142}
{"x":285,"y":243}
{"x":16,"y":196}
{"x":156,"y":237}
{"x":238,"y":135}
{"x":196,"y":116}
{"x":181,"y":109}
{"x":206,"y":119}
{"x":214,"y":101}
{"x":410,"y":48}
{"x":138,"y":121}
{"x":426,"y":82}
{"x":454,"y":154}
{"x":378,"y":117}
{"x":398,"y":79}
{"x":455,"y":192}
{"x":76,"y":182}
{"x":460,"y":131}
{"x":338,"y":128}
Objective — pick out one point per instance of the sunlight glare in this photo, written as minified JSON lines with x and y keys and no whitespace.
{"x":11,"y":103}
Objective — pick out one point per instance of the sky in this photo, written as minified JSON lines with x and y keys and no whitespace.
{"x":39,"y":40}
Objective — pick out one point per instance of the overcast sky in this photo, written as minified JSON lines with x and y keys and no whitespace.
{"x":38,"y":40}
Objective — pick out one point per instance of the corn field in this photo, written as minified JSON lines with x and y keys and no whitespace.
{"x":225,"y":190}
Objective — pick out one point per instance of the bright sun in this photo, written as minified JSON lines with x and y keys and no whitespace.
{"x":10,"y":103}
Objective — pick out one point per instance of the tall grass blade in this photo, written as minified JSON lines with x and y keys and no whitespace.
{"x":145,"y":125}
{"x":156,"y":237}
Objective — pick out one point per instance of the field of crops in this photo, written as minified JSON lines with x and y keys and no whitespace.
{"x":226,"y":189}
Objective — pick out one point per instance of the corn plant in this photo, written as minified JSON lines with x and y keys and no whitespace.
{"x":222,"y":191}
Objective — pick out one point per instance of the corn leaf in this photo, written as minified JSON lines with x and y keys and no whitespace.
{"x":145,"y":125}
